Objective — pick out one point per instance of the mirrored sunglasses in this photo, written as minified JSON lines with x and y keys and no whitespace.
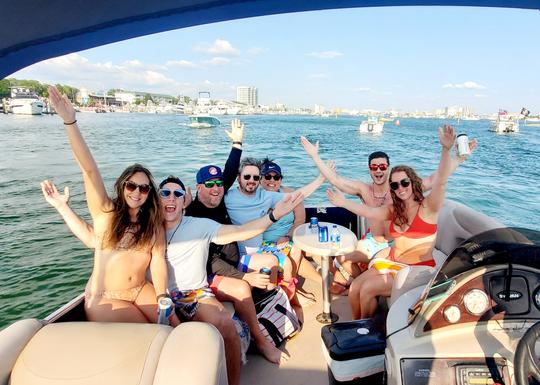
{"x":212,"y":183}
{"x":382,"y":167}
{"x":132,"y":186}
{"x":404,"y":183}
{"x":165,"y":192}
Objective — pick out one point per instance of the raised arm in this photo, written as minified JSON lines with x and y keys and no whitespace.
{"x":96,"y":194}
{"x":232,"y":233}
{"x":456,"y":161}
{"x":348,"y":186}
{"x":230,"y":172}
{"x":447,"y":138}
{"x":337,"y":198}
{"x":78,"y":226}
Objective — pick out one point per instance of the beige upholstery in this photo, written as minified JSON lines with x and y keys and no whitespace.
{"x":85,"y":353}
{"x":456,"y":223}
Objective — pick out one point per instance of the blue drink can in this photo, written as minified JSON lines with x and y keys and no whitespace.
{"x":165,"y":310}
{"x":313,"y":225}
{"x":265,"y":270}
{"x":323,"y":234}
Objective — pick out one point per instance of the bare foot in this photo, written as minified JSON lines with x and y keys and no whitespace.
{"x":273,"y":354}
{"x":305,"y":299}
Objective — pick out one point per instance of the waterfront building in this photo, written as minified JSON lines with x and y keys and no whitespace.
{"x":247,"y":95}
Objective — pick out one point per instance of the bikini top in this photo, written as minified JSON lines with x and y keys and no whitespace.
{"x":417,"y":230}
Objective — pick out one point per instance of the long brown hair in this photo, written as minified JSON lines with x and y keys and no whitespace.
{"x":149,"y":217}
{"x":400,"y":210}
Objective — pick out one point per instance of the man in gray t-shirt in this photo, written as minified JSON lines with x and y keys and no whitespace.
{"x":188,"y":239}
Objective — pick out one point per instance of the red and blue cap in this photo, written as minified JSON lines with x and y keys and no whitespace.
{"x":207,"y":173}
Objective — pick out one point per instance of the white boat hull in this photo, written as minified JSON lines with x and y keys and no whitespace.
{"x":504,"y":126}
{"x":367,"y":127}
{"x":27,"y":107}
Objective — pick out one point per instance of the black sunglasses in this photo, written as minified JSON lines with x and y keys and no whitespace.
{"x":132,"y":186}
{"x":165,"y":192}
{"x":274,"y":177}
{"x":404,"y":183}
{"x":212,"y":183}
{"x":248,"y":177}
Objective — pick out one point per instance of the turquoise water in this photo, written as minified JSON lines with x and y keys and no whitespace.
{"x":42,"y":266}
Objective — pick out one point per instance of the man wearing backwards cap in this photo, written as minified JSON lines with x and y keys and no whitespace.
{"x":226,"y":281}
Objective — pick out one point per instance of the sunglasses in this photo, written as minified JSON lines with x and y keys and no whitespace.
{"x":132,"y":186}
{"x":274,"y":177}
{"x":165,"y":192}
{"x":404,"y":183}
{"x":248,"y":177}
{"x":374,"y":167}
{"x":212,"y":183}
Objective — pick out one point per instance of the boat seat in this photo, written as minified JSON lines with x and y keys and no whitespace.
{"x":86,"y":353}
{"x":456,"y":224}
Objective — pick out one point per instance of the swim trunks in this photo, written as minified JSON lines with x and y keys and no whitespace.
{"x":373,"y":246}
{"x":187,"y":301}
{"x":128,"y":295}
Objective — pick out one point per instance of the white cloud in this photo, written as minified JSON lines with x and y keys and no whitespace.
{"x":362,"y":89}
{"x":180,"y":64}
{"x":219,"y":47}
{"x":317,"y":76}
{"x":217,"y":61}
{"x":255,"y":51}
{"x":467,"y":85}
{"x":480,"y":96}
{"x":325,"y":54}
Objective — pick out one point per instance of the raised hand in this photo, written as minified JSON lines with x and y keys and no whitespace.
{"x":336,"y":197}
{"x":310,"y":148}
{"x":52,"y":196}
{"x":472,"y":146}
{"x":62,"y":105}
{"x":447,"y":136}
{"x":331,"y":165}
{"x":237,"y":131}
{"x":287,"y":204}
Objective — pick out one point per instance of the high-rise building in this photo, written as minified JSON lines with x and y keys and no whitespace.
{"x":247,"y":96}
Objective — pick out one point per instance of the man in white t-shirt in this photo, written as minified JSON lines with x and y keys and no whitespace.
{"x":188,"y":239}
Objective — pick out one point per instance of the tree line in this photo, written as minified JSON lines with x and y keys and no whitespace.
{"x":38,"y":87}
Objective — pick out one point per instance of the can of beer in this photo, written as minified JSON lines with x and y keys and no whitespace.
{"x":166,"y":307}
{"x":463,"y":145}
{"x":314,"y":225}
{"x":323,"y":234}
{"x":265,"y":270}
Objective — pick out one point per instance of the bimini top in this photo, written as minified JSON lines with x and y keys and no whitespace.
{"x":32,"y":31}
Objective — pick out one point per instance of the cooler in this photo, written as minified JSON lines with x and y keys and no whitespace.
{"x":353,"y":350}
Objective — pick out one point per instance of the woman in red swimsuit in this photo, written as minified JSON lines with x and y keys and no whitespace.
{"x":413,"y":225}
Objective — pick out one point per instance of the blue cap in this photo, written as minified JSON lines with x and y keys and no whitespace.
{"x":209,"y":172}
{"x":270,"y":167}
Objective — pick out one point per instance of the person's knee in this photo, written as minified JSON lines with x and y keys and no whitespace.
{"x":225,"y":324}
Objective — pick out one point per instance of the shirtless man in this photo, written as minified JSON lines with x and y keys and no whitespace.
{"x":375,"y":194}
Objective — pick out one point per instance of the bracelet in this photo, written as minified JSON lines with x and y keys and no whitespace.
{"x":239,"y":143}
{"x":69,"y":124}
{"x":161,"y":296}
{"x":272,"y":217}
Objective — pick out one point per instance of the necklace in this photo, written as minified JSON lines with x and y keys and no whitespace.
{"x":381,"y":198}
{"x":172,"y":235}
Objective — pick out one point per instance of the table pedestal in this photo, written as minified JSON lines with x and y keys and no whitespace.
{"x":326,"y":317}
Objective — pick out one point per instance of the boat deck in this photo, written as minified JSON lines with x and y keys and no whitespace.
{"x":306,"y":364}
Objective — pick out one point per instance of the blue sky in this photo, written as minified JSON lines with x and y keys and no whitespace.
{"x":406,"y":58}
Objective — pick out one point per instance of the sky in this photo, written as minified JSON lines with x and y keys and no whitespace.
{"x":402,"y":58}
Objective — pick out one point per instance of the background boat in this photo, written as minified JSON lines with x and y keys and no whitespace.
{"x":24,"y":101}
{"x":203,"y":121}
{"x":371,"y":126}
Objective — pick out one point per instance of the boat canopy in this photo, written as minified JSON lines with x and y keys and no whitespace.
{"x":34,"y":31}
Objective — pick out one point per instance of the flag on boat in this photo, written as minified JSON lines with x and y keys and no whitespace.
{"x":525,"y":112}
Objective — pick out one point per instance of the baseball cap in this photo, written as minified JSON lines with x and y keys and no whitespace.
{"x":270,"y":167}
{"x":208,"y":172}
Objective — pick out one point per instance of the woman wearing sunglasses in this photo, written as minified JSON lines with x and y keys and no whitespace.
{"x":128,"y":234}
{"x":412,"y":224}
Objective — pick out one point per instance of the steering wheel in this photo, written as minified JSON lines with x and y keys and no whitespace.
{"x":525,"y":360}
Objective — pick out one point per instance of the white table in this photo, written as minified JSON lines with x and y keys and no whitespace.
{"x":309,"y":242}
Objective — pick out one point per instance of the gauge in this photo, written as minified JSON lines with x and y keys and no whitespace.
{"x":452,"y":314}
{"x":476,"y":301}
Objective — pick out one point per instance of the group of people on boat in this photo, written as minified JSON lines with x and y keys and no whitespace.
{"x":213,"y":247}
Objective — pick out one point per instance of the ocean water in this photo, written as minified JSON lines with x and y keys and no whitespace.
{"x":42,"y":265}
